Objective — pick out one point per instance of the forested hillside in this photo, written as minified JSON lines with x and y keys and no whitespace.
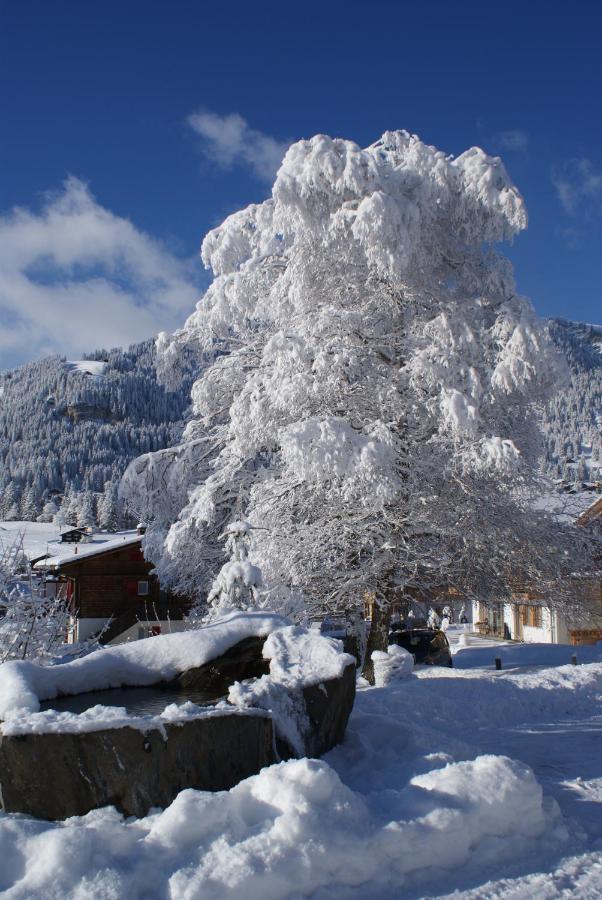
{"x":69,"y":429}
{"x":573,"y":419}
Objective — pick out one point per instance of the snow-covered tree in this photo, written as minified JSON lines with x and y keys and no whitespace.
{"x":86,"y":517}
{"x":29,"y":507}
{"x":109,"y":518}
{"x":71,"y":507}
{"x":9,"y":503}
{"x":238,"y":582}
{"x":368,"y":377}
{"x":64,"y":430}
{"x":33,"y":625}
{"x":49,"y":511}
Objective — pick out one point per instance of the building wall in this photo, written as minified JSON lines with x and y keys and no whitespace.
{"x":85,"y":628}
{"x":107,"y":584}
{"x":553,"y":629}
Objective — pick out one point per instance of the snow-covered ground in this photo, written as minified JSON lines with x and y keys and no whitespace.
{"x":465,"y":782}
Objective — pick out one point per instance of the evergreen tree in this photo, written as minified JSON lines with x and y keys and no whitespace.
{"x":86,"y":517}
{"x":49,"y":511}
{"x":29,"y":507}
{"x":109,"y":518}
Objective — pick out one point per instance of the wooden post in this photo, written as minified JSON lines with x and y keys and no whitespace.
{"x":498,"y":663}
{"x":574,"y":659}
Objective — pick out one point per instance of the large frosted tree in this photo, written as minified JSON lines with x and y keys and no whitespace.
{"x":368,"y":378}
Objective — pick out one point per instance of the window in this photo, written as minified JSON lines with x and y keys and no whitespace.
{"x":143,"y":588}
{"x":531,"y":616}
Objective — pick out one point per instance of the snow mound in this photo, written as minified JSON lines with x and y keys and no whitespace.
{"x":393,"y":664}
{"x":294,"y":828}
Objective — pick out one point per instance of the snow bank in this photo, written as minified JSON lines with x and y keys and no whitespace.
{"x":162,"y":658}
{"x":294,"y":829}
{"x":413,"y":802}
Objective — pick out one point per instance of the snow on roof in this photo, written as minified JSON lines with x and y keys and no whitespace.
{"x":44,"y":539}
{"x":100,"y":543}
{"x":92,"y":367}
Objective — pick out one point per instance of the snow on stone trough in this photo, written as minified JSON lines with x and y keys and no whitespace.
{"x":297,"y":656}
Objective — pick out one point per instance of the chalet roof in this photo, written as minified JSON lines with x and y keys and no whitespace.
{"x":64,"y":555}
{"x":592,"y":513}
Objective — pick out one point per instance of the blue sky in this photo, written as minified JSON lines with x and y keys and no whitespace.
{"x":103,"y":95}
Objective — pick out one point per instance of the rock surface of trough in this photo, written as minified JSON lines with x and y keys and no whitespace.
{"x":54,"y":771}
{"x":54,"y":776}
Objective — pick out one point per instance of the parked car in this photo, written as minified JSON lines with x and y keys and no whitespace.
{"x":428,"y":646}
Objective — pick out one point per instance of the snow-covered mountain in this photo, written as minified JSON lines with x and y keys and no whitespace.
{"x":573,"y":419}
{"x":68,"y":429}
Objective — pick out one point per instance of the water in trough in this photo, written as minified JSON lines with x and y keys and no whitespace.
{"x":139,"y":701}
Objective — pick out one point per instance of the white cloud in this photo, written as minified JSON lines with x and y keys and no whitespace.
{"x":514,"y":140}
{"x":578,"y":185}
{"x":229,"y":141}
{"x":75,"y":277}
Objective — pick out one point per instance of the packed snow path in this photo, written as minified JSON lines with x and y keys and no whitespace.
{"x":429,"y":796}
{"x":460,"y":636}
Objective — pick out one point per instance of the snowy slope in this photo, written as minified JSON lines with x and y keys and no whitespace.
{"x":466,"y":782}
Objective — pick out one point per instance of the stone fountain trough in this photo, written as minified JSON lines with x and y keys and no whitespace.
{"x":201,"y":709}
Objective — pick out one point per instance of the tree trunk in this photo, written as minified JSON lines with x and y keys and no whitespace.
{"x":378,"y":638}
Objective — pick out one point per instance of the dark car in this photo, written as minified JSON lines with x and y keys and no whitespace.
{"x":428,"y":646}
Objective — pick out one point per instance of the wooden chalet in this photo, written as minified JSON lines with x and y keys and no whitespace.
{"x":110,"y":586}
{"x":73,"y":535}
